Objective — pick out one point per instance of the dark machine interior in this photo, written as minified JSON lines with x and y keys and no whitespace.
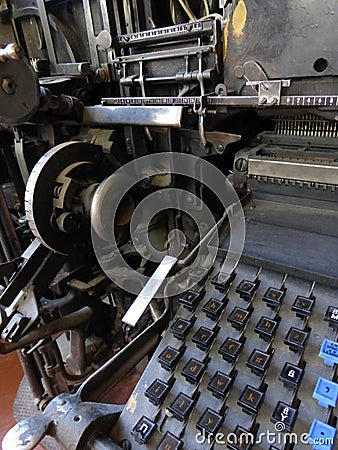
{"x":168,"y":223}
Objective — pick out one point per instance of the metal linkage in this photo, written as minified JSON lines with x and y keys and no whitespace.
{"x":76,"y":421}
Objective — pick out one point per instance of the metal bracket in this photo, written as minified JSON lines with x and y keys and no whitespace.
{"x":269,"y":91}
{"x":76,"y":422}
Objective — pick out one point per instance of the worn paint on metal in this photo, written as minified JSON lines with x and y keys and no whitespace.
{"x":225,"y":38}
{"x":132,"y":403}
{"x":239,"y":19}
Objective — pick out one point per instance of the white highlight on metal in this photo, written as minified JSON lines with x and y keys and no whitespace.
{"x":141,"y":303}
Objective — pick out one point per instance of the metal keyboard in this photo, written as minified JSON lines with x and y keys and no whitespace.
{"x":252,"y":364}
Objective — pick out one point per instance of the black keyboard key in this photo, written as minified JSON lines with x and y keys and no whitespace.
{"x":291,"y":376}
{"x":273,"y":297}
{"x":220,"y":384}
{"x":285,"y":414}
{"x":238,"y":318}
{"x":251,"y":400}
{"x":230,"y":349}
{"x":191,"y":299}
{"x":258,"y":362}
{"x":331,"y":316}
{"x":170,"y":442}
{"x":303,"y":306}
{"x":181,"y":407}
{"x":169,"y":358}
{"x":242,"y":439}
{"x":246,"y":289}
{"x":180,"y":328}
{"x":222,"y":281}
{"x":210,"y":422}
{"x":203,"y":338}
{"x":296,"y":339}
{"x":266,"y":328}
{"x":143,"y":429}
{"x":193,"y":371}
{"x":157,"y":391}
{"x":213,"y":308}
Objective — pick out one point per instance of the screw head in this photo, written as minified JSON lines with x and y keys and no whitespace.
{"x":241,"y":165}
{"x":8,"y":86}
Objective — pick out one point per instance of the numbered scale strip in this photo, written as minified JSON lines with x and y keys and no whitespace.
{"x":249,"y":101}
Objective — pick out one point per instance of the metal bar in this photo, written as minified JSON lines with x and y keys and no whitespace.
{"x":165,"y":54}
{"x":181,"y":101}
{"x":137,"y":25}
{"x":14,"y":171}
{"x":248,"y":101}
{"x":117,"y":18}
{"x":30,"y":370}
{"x":129,"y":115}
{"x":47,"y":34}
{"x":128,"y":16}
{"x":70,"y":322}
{"x":294,"y":170}
{"x":101,"y":443}
{"x":141,"y":303}
{"x":39,"y":255}
{"x":181,"y":31}
{"x":9,"y":227}
{"x":90,"y":33}
{"x":6,"y":248}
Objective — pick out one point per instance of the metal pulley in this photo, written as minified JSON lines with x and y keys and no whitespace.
{"x":59,"y":192}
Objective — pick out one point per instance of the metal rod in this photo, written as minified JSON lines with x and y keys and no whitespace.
{"x":101,"y":443}
{"x":30,"y":370}
{"x":14,"y":172}
{"x":8,"y":225}
{"x":6,"y":248}
{"x":70,"y":322}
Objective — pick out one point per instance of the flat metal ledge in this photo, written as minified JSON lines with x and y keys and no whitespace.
{"x":163,"y":116}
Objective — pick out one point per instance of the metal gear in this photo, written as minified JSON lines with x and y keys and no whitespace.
{"x":53,"y":194}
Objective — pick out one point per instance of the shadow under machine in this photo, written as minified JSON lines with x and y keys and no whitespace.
{"x":210,"y":319}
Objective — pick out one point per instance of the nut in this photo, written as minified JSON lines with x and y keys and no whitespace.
{"x":8,"y":86}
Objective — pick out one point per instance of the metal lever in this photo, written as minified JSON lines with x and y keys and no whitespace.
{"x":26,"y":434}
{"x":147,"y":294}
{"x":138,"y":308}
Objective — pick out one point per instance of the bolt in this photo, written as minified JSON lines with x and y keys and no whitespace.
{"x":62,"y":402}
{"x":239,"y":71}
{"x":241,"y":165}
{"x":125,"y":444}
{"x":274,"y":101}
{"x":262,"y":101}
{"x":220,"y":148}
{"x":8,"y":86}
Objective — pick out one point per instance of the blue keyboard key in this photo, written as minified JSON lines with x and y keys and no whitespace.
{"x":326,"y":392}
{"x":321,"y":435}
{"x":329,"y":351}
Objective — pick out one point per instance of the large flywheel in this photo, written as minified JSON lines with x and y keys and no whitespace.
{"x":59,"y":192}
